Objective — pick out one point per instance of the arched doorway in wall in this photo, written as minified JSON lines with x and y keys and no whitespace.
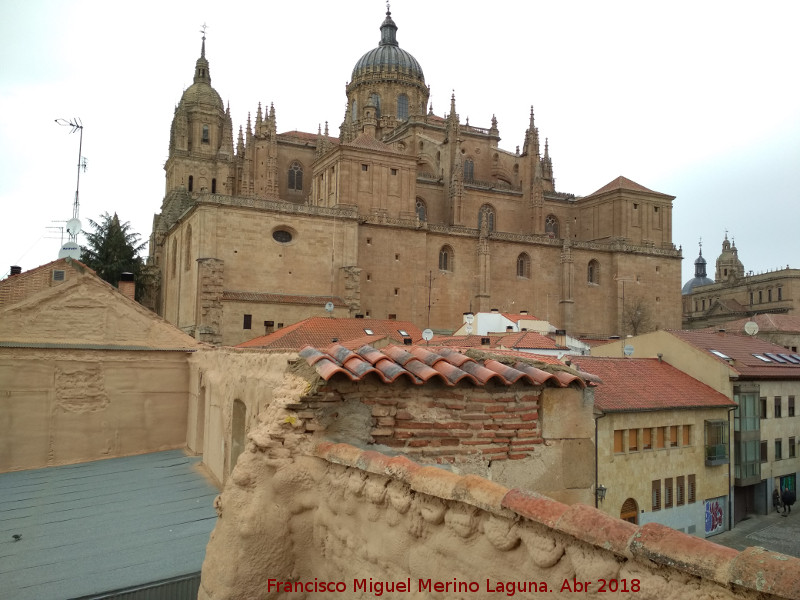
{"x":630,"y":511}
{"x":238,"y":426}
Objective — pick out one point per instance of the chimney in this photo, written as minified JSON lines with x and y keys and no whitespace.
{"x":523,"y":312}
{"x":127,"y":285}
{"x":495,"y":311}
{"x":15,"y":270}
{"x":509,"y":329}
{"x":269,"y":327}
{"x":485,"y":341}
{"x":560,"y":337}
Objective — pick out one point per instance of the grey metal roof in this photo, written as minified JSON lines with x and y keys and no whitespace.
{"x":388,"y":56}
{"x":103,"y":525}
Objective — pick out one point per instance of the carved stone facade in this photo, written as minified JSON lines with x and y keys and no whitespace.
{"x":370,"y":216}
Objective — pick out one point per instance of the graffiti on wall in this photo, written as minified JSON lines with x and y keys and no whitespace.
{"x":715,"y":515}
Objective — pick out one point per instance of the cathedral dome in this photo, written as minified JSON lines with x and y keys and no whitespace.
{"x":700,"y":277}
{"x":201,"y":92}
{"x":388,"y":56}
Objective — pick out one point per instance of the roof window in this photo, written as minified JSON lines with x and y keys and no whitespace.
{"x":775,"y":357}
{"x":764,"y":358}
{"x":369,"y":332}
{"x":720,"y":354}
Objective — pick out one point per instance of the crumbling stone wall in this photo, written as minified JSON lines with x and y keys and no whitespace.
{"x":367,"y":524}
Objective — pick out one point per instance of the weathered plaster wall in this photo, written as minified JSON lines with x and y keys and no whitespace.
{"x":527,"y":436}
{"x":67,"y":406}
{"x":345,"y":515}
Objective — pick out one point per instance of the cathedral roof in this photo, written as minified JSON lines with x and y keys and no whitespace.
{"x":368,"y":142}
{"x":388,"y":56}
{"x":623,"y":183}
{"x":695,"y":282}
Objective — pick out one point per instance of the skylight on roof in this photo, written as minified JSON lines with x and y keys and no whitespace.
{"x":403,"y":332}
{"x":789,"y":358}
{"x":720,"y":354}
{"x":369,"y":332}
{"x":764,"y":358}
{"x":775,"y":357}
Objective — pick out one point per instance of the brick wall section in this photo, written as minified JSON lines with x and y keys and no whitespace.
{"x":18,"y":287}
{"x":438,"y":423}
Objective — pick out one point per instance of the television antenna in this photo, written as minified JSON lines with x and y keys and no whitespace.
{"x":71,"y":248}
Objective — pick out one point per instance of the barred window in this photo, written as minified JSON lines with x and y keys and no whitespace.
{"x":656,"y":495}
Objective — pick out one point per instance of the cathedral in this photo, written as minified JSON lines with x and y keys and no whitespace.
{"x":404,"y":215}
{"x":734,"y":293}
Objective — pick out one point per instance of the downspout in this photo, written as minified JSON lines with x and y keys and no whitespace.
{"x":596,"y":468}
{"x":730,"y":481}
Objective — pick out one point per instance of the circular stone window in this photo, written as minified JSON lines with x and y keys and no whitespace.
{"x":282,"y":236}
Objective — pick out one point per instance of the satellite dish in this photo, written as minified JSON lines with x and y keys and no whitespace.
{"x":469,"y":318}
{"x":329,"y":307}
{"x":74,"y":226}
{"x":70,"y":250}
{"x":751,"y":328}
{"x":627,"y":350}
{"x":427,"y":335}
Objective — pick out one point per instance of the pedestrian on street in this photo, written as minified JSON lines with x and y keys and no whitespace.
{"x":776,"y":499}
{"x":788,"y":497}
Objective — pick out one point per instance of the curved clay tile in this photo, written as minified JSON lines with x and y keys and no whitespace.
{"x":339,"y":352}
{"x":357,"y":365}
{"x":426,"y":356}
{"x":423,"y":371}
{"x":398,"y":355}
{"x":371,"y":354}
{"x":327,"y":369}
{"x":483,"y":374}
{"x":312,"y":355}
{"x":568,"y":379}
{"x":453,"y":373}
{"x":454,"y":357}
{"x":390,"y":371}
{"x":539,"y":376}
{"x":509,"y":373}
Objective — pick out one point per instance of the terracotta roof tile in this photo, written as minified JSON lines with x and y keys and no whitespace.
{"x":741,"y":349}
{"x":623,"y":183}
{"x":321,"y":331}
{"x":766,"y":323}
{"x":524,"y":339}
{"x":754,"y":569}
{"x":419,"y":365}
{"x":640,"y":384}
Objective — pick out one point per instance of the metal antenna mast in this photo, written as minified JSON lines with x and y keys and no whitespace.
{"x":74,"y":225}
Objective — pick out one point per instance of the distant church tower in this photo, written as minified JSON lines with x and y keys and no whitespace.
{"x":201,"y":139}
{"x":728,"y":263}
{"x":387,"y":87}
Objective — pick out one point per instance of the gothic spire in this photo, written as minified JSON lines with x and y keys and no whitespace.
{"x":388,"y":30}
{"x":201,"y":70}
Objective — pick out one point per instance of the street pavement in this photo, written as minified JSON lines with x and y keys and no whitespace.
{"x":773,"y":532}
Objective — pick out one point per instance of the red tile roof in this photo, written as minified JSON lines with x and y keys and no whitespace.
{"x":766,"y":323}
{"x":741,"y":350}
{"x":16,"y":288}
{"x":519,"y":317}
{"x":370,"y":143}
{"x":270,"y":298}
{"x":641,"y":384}
{"x":321,"y":331}
{"x":623,"y":183}
{"x":419,"y":364}
{"x":524,"y":339}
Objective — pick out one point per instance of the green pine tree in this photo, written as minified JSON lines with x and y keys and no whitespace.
{"x":113,"y":249}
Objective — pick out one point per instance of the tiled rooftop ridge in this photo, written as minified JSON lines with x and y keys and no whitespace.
{"x":754,"y":569}
{"x":419,"y":364}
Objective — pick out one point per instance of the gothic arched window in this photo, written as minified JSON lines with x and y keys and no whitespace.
{"x":191,"y":182}
{"x":446,"y":259}
{"x":593,"y":273}
{"x":296,"y":177}
{"x":524,"y":266}
{"x":486,"y":210}
{"x":551,"y":226}
{"x":402,"y":107}
{"x":421,"y":209}
{"x":469,"y":170}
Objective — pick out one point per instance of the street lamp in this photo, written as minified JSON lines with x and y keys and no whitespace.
{"x":600,"y":492}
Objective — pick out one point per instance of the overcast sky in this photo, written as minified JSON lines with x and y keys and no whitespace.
{"x":697,"y":99}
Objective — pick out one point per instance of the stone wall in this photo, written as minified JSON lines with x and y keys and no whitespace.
{"x":374,"y":526}
{"x":62,"y":406}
